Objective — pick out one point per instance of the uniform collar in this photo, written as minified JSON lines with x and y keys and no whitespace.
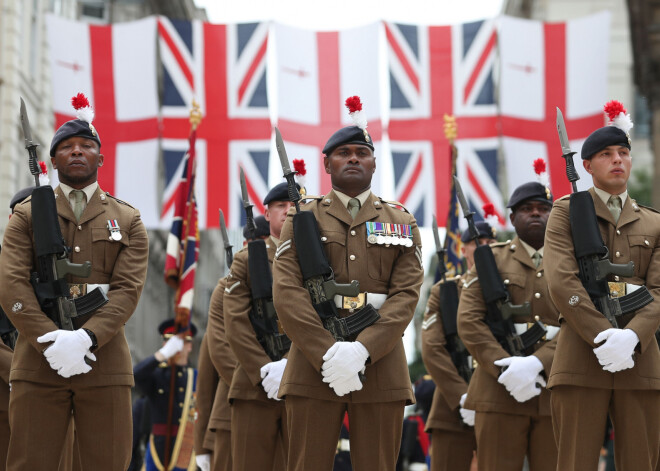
{"x":605,"y":196}
{"x":362,"y":197}
{"x":89,"y":190}
{"x":530,"y":250}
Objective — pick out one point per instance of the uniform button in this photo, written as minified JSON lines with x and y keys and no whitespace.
{"x":160,"y":391}
{"x":513,"y":247}
{"x":618,"y":232}
{"x":181,"y":389}
{"x":353,"y":233}
{"x":616,"y":277}
{"x":328,"y":200}
{"x":618,"y":254}
{"x":376,"y":203}
{"x":352,"y":257}
{"x":76,"y":249}
{"x":110,"y":238}
{"x":539,"y":274}
{"x":507,"y":281}
{"x":179,"y":374}
{"x":537,"y":295}
{"x":80,"y":228}
{"x":324,"y":238}
{"x":646,"y":242}
{"x":180,"y":404}
{"x":102,"y":197}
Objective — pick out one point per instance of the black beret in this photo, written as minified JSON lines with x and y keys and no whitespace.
{"x":167,"y":327}
{"x":20,"y":197}
{"x":533,"y":191}
{"x":485,"y":230}
{"x":279,"y":192}
{"x":262,"y":230}
{"x":348,"y":135}
{"x":74,"y":128}
{"x":602,"y":138}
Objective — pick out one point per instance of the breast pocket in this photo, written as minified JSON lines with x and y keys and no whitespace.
{"x":380,"y":260}
{"x":641,"y":249}
{"x":515,"y":285}
{"x":334,"y":244}
{"x":105,"y":250}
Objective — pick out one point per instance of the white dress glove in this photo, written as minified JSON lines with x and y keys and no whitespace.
{"x":67,"y":353}
{"x":466,"y":414}
{"x":343,"y":387}
{"x":617,"y":351}
{"x":173,"y":346}
{"x":525,"y":392}
{"x":271,"y":375}
{"x":203,"y":462}
{"x":343,"y":361}
{"x":519,"y":371}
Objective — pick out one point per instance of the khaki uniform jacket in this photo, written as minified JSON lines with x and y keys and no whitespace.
{"x":395,"y":270}
{"x":222,"y":357}
{"x":6,"y":355}
{"x":449,"y":385}
{"x":121,"y":264}
{"x":246,"y":381}
{"x":207,"y":383}
{"x":636,"y":237}
{"x":524,"y":282}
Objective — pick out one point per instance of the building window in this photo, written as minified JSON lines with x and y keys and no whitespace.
{"x":642,"y":117}
{"x":93,"y":10}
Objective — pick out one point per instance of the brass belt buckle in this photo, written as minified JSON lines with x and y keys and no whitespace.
{"x":356,"y":302}
{"x":617,"y":289}
{"x":77,"y":289}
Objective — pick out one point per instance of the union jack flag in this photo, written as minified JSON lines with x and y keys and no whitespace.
{"x":223,"y":67}
{"x":183,"y":241}
{"x":436,"y":71}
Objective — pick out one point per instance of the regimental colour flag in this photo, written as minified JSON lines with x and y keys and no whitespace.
{"x":115,"y":67}
{"x":223,"y":67}
{"x":316,"y":72}
{"x":555,"y":66}
{"x":183,"y":241}
{"x":435,"y":71}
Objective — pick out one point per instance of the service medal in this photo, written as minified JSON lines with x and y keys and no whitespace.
{"x":113,"y":227}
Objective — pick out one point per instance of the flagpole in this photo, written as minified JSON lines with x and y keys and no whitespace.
{"x":451,"y":132}
{"x":179,"y":321}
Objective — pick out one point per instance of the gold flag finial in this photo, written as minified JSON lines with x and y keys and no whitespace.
{"x":195,"y":115}
{"x":451,"y":129}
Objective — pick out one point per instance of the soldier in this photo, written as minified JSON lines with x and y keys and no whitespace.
{"x":598,"y":368}
{"x":152,"y":378}
{"x":224,"y":363}
{"x":321,"y":381}
{"x":258,"y":416}
{"x":452,"y":441}
{"x":50,"y":377}
{"x":512,"y":407}
{"x":207,"y":385}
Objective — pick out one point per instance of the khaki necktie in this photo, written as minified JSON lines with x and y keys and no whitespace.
{"x":78,"y":199}
{"x":353,"y":207}
{"x":536,"y":257}
{"x":614,"y":205}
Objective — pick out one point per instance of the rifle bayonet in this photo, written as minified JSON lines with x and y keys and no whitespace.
{"x":30,"y":145}
{"x":250,"y":225}
{"x":294,"y":194}
{"x":229,"y":255}
{"x":571,"y":173}
{"x":465,"y":207}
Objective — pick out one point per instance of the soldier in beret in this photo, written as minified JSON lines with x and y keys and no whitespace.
{"x":377,"y":243}
{"x":87,"y":370}
{"x":599,"y":369}
{"x":152,"y":378}
{"x":512,"y":407}
{"x":452,"y":437}
{"x":258,"y":416}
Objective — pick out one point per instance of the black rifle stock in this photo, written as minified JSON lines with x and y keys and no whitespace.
{"x":262,"y":315}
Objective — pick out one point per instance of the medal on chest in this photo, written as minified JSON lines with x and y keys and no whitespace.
{"x":113,"y":227}
{"x":387,"y":233}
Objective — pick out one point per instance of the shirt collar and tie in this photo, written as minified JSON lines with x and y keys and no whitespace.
{"x":613,"y":202}
{"x":79,"y":198}
{"x":535,"y":255}
{"x":353,"y":205}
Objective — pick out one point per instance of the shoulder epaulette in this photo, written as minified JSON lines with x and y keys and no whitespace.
{"x":501,"y":244}
{"x":395,"y":204}
{"x":309,"y":198}
{"x":563,"y":197}
{"x":118,"y":200}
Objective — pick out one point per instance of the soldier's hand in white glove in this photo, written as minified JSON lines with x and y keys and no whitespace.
{"x":203,"y":462}
{"x":519,"y":371}
{"x":271,"y":375}
{"x":173,"y":346}
{"x":68,"y":351}
{"x":526,"y":392}
{"x":345,"y":386}
{"x":617,"y":351}
{"x":466,"y":414}
{"x":343,"y":360}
